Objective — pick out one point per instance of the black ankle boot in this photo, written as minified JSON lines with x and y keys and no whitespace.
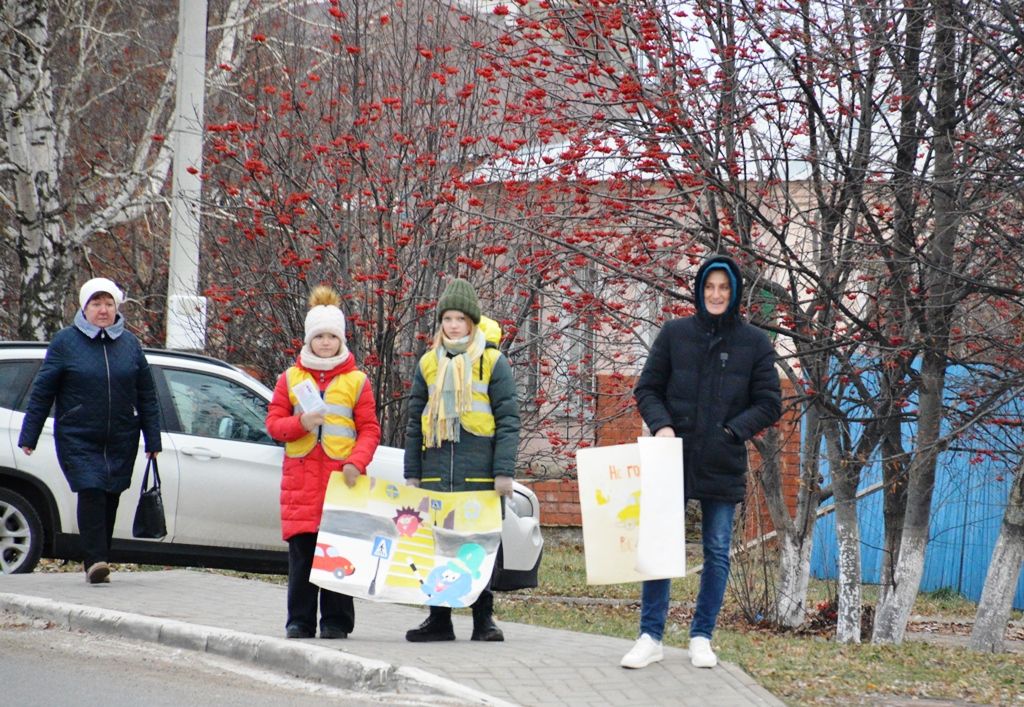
{"x":437,"y":627}
{"x":484,"y":628}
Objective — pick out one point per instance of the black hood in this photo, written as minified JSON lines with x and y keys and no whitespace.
{"x":736,"y":282}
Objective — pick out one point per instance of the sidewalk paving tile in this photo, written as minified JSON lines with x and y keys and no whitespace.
{"x":245,"y":619}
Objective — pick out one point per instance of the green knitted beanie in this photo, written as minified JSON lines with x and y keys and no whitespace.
{"x":459,"y":295}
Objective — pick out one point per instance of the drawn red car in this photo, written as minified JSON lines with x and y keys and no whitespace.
{"x":326,"y":558}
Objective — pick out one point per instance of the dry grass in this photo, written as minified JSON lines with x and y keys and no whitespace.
{"x":806,"y":668}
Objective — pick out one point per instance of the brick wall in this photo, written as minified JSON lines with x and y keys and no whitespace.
{"x":559,"y":498}
{"x":559,"y":502}
{"x":756,"y":520}
{"x":620,"y":421}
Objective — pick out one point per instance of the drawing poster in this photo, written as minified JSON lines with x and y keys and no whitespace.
{"x":631,"y":498}
{"x":385,"y":541}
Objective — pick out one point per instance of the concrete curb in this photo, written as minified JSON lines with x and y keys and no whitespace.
{"x":327,"y":665}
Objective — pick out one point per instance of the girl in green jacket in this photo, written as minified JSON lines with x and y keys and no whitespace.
{"x":463,"y":428}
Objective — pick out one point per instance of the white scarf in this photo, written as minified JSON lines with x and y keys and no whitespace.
{"x":310,"y":360}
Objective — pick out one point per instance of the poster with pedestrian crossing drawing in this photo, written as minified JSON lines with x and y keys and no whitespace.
{"x":631,"y":499}
{"x":385,"y":541}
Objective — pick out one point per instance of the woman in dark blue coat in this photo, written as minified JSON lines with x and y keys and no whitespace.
{"x":711,"y":380}
{"x":96,"y":372}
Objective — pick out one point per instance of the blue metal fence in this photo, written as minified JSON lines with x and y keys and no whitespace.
{"x":967,"y":511}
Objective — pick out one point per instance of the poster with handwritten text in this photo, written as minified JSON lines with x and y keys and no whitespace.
{"x":631,"y":498}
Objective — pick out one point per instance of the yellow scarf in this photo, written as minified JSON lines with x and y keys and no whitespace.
{"x":453,"y":387}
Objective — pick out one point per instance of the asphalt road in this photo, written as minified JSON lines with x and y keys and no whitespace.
{"x":41,"y":664}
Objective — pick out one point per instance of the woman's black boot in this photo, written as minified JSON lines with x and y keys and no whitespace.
{"x":437,"y":627}
{"x":484,"y":628}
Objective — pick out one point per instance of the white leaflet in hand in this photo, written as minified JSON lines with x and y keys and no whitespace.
{"x":661,"y":546}
{"x":309,"y":397}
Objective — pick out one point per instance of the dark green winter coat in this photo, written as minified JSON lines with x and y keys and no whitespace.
{"x":471,"y":463}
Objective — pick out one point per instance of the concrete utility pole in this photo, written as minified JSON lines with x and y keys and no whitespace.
{"x":186,"y":309}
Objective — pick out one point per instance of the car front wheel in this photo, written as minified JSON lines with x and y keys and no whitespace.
{"x":21,"y":534}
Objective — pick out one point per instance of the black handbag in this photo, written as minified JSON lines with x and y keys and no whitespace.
{"x":149,"y":515}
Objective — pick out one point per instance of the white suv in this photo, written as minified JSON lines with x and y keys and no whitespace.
{"x":220,"y":473}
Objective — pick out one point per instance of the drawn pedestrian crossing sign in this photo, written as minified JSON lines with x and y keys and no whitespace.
{"x":381,"y":547}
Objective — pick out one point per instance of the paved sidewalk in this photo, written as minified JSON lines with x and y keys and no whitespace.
{"x":243,"y":619}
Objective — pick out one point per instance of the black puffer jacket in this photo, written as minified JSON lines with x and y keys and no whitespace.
{"x":105,"y":395}
{"x":703,"y":374}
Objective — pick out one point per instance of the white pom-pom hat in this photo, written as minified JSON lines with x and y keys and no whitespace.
{"x":325,"y":319}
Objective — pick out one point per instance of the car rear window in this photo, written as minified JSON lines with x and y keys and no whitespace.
{"x":15,"y":379}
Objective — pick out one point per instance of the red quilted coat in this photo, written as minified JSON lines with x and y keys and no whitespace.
{"x":304,"y":479}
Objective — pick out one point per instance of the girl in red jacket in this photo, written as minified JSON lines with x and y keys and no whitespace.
{"x":342,"y":434}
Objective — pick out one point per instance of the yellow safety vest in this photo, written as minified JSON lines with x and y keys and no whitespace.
{"x":479,"y":420}
{"x":338,"y":433}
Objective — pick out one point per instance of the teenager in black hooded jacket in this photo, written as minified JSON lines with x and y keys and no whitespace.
{"x":711,"y":380}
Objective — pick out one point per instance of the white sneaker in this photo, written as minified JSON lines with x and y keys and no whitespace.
{"x":644,"y":652}
{"x":701,"y":655}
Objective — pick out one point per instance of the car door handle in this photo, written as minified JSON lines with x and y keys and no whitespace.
{"x":200,"y":452}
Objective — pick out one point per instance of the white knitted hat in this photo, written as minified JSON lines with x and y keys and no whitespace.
{"x":324,"y":316}
{"x":97,"y":285}
{"x":325,"y":319}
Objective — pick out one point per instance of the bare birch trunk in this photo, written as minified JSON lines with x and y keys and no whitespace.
{"x":794,"y":535}
{"x":934,"y":321}
{"x":794,"y":577}
{"x":848,"y":539}
{"x":46,"y":266}
{"x":54,"y":212}
{"x":895,"y":607}
{"x":902,"y":268}
{"x":1003,"y":571}
{"x":894,"y":610}
{"x":894,"y":502}
{"x":30,"y":123}
{"x":845,"y":479}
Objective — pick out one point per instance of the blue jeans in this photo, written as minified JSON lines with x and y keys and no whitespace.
{"x":716,"y":536}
